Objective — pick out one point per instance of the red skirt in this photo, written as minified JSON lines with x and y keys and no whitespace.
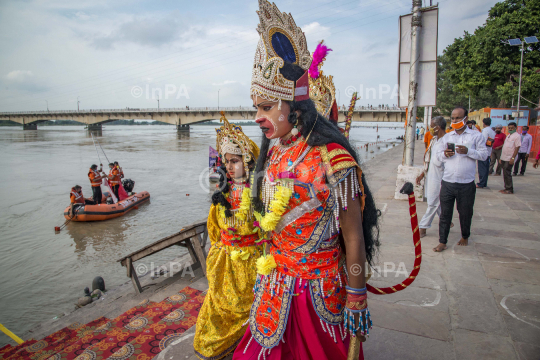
{"x":305,"y":337}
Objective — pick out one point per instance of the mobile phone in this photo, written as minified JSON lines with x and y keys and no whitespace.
{"x":451,"y":146}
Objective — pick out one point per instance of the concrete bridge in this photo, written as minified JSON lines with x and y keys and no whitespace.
{"x":181,"y":117}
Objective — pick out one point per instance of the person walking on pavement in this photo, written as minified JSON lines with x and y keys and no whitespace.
{"x":95,"y":180}
{"x":422,"y":131}
{"x":459,"y":151}
{"x":508,"y":156}
{"x":483,"y":165}
{"x":524,"y":150}
{"x":433,"y":172}
{"x":497,"y":150}
{"x":417,"y":133}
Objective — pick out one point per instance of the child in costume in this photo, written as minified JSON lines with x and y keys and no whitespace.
{"x":231,"y":269}
{"x":312,"y":204}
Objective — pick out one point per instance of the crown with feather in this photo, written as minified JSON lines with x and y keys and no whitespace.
{"x":232,"y":140}
{"x":281,"y":40}
{"x":321,"y":87}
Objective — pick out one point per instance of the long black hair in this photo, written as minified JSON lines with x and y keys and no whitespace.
{"x":323,"y":132}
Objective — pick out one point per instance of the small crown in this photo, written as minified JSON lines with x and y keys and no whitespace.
{"x":321,"y":87}
{"x":281,"y":40}
{"x":232,"y":140}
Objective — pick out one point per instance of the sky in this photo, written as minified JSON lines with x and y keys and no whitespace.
{"x":99,"y":54}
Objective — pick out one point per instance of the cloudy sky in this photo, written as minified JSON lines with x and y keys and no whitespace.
{"x":127,"y":53}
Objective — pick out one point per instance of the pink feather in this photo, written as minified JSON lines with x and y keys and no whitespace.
{"x":318,"y":56}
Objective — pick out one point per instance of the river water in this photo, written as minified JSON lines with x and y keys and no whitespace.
{"x":43,"y":273}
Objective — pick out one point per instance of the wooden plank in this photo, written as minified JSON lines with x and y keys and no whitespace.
{"x":202,"y":241}
{"x":129,"y":266}
{"x":135,"y":280}
{"x":198,"y":227}
{"x":192,"y":252}
{"x":205,"y":237}
{"x":200,"y":253}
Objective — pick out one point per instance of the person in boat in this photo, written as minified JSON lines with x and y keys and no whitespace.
{"x":231,"y":261}
{"x":114,"y":178}
{"x":120,"y":171}
{"x":95,"y":180}
{"x":76,"y":197}
{"x":313,"y":207}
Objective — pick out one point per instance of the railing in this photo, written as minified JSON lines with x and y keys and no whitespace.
{"x":184,"y":109}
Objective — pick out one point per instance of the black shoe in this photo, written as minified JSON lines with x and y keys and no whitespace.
{"x":514,"y":174}
{"x":521,"y":174}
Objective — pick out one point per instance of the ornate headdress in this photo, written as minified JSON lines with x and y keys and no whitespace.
{"x":281,"y":40}
{"x":232,"y":140}
{"x":321,"y":87}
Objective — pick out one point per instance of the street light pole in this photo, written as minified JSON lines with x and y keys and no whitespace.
{"x":520,"y":73}
{"x":416,"y":25}
{"x":47,"y":105}
{"x":78,"y":104}
{"x":218,"y":98}
{"x":158,"y":102}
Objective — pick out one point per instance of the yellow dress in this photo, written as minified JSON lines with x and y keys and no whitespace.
{"x":220,"y":324}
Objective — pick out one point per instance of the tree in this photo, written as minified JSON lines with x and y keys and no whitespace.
{"x":481,"y":66}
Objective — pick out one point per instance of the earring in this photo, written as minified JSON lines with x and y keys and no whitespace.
{"x":294,"y":131}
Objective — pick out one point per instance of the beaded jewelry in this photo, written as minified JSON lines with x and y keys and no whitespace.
{"x":357,"y":304}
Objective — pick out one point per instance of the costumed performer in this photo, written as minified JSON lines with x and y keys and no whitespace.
{"x":231,"y":261}
{"x":313,"y":209}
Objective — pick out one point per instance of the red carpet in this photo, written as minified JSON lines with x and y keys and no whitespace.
{"x":140,"y":333}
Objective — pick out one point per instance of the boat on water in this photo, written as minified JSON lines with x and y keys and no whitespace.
{"x":104,"y":211}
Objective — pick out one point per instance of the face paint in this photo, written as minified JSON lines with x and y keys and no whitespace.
{"x":267,"y":111}
{"x":281,"y":117}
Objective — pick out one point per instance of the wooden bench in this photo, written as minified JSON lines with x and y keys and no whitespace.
{"x":193,"y":237}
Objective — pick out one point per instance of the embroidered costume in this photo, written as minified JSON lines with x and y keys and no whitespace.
{"x":300,"y":292}
{"x":231,"y":261}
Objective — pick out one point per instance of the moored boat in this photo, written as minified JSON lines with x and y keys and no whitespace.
{"x":102,"y":212}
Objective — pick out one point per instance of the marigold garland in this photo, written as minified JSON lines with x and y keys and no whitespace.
{"x":265,"y":264}
{"x":276,"y":208}
{"x":245,"y":205}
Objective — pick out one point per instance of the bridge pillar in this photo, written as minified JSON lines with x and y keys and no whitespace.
{"x":94,"y":127}
{"x":182,"y":128}
{"x":31,"y":126}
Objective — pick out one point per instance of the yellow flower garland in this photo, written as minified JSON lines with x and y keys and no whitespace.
{"x":277,"y":207}
{"x":245,"y":204}
{"x":265,"y":264}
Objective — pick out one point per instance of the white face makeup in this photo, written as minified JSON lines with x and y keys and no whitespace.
{"x":267,"y":111}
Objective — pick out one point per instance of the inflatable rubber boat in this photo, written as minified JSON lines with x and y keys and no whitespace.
{"x":106,"y":211}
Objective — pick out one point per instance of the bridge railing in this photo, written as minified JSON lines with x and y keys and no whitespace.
{"x":182,"y":109}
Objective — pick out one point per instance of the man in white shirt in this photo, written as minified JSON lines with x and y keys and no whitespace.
{"x":459,"y":151}
{"x":510,"y":149}
{"x":433,"y":172}
{"x":483,"y":165}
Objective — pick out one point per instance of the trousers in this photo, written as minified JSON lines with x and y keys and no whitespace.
{"x":495,"y":158}
{"x":463,"y":195}
{"x":520,"y":158}
{"x":483,"y":172}
{"x":507,"y":175}
{"x":96,"y":194}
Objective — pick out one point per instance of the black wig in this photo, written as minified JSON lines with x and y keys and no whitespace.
{"x":218,"y":197}
{"x":323,"y":132}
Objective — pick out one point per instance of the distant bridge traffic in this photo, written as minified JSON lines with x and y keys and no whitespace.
{"x":181,"y":117}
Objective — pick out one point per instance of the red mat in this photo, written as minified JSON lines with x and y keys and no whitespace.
{"x":149,"y":334}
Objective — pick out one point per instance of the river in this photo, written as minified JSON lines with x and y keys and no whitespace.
{"x":43,"y":273}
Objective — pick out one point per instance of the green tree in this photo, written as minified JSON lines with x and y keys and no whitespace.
{"x":481,"y":65}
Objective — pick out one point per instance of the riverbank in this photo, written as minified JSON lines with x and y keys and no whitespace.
{"x":475,"y":302}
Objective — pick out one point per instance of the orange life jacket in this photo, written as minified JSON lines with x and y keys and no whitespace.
{"x":95,"y":178}
{"x":114,"y":176}
{"x":76,"y":197}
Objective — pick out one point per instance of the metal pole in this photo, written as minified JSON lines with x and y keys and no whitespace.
{"x":78,"y":104}
{"x":218,"y":99}
{"x":520,"y":73}
{"x":416,"y":24}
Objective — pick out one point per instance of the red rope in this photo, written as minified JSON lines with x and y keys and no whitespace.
{"x":417,"y":253}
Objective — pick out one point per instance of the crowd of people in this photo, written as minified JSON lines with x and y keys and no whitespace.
{"x":450,"y":164}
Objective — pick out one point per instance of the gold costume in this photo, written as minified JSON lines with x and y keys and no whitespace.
{"x":231,"y":262}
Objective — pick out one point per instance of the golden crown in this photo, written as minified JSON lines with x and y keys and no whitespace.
{"x":232,"y":140}
{"x":321,"y":87}
{"x":281,"y":40}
